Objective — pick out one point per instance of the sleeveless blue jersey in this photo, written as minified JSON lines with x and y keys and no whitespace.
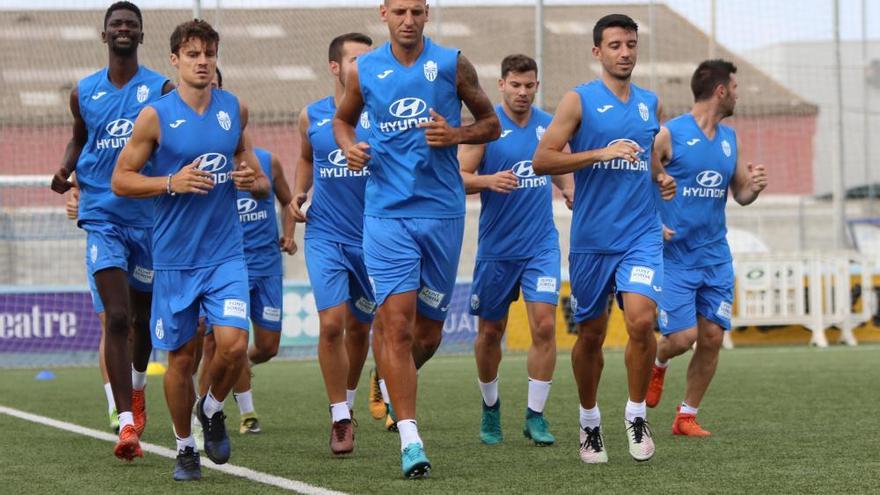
{"x":614,"y":201}
{"x":337,"y":210}
{"x":109,"y":114}
{"x":703,"y":169}
{"x":410,"y":179}
{"x":197,"y":230}
{"x":519,"y":224}
{"x":260,"y":226}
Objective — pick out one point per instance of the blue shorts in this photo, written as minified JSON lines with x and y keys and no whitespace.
{"x":689,"y":292}
{"x":414,"y":254}
{"x":109,"y":245}
{"x":497,"y":283}
{"x":266,"y":300}
{"x":93,"y":289}
{"x":596,"y":275}
{"x":338,"y":275}
{"x":222,"y":290}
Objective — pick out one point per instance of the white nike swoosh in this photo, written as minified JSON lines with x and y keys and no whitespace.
{"x":604,"y":108}
{"x":98,"y":95}
{"x":385,"y":74}
{"x":505,"y":132}
{"x":693,"y":141}
{"x":177,"y":123}
{"x":322,"y":122}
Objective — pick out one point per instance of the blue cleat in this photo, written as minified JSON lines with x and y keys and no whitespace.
{"x":490,"y":425}
{"x":188,"y":467}
{"x":535,"y":429}
{"x":414,"y":462}
{"x":214,"y":432}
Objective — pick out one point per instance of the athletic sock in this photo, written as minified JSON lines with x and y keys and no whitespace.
{"x":349,"y":397}
{"x":340,"y":411}
{"x":686,"y":409}
{"x":245,"y":402}
{"x":183,"y":443}
{"x":590,"y":418}
{"x":409,"y":433}
{"x":382,"y":388}
{"x":489,"y":391}
{"x":138,"y":379}
{"x":125,"y":419}
{"x":635,"y":410}
{"x":211,"y":406}
{"x":111,"y":403}
{"x":660,"y":364}
{"x":538,"y":393}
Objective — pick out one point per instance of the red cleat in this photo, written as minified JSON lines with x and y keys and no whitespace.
{"x":686,"y":425}
{"x":655,"y":387}
{"x":128,"y":447}
{"x":139,"y":411}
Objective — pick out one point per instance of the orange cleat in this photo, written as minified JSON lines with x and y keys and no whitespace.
{"x":128,"y":447}
{"x":655,"y":386}
{"x":139,"y":411}
{"x":686,"y":424}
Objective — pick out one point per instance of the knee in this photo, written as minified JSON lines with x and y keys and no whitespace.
{"x":590,"y":339}
{"x":430,"y":342}
{"x":544,"y":334}
{"x":117,"y":321}
{"x":182,"y":362}
{"x":266,"y":350}
{"x":235,"y":351}
{"x":710,"y":341}
{"x":640,"y":327}
{"x":331,"y":330}
{"x":491,"y":334}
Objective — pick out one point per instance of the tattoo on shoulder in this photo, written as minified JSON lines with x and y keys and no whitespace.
{"x":467,"y":75}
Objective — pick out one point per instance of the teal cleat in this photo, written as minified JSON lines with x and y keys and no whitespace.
{"x":390,"y":419}
{"x":490,"y":426}
{"x":414,"y":462}
{"x":535,"y":429}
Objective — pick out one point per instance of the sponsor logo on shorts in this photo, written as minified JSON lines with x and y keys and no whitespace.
{"x":475,"y":302}
{"x":641,"y":275}
{"x":143,"y":275}
{"x":365,"y":306}
{"x":93,"y":253}
{"x":235,"y":308}
{"x":725,"y":310}
{"x":431,"y":297}
{"x":271,"y":314}
{"x":160,"y":330}
{"x":546,"y":284}
{"x":664,"y":318}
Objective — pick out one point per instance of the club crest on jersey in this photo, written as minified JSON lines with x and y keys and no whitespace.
{"x":143,"y":92}
{"x":643,"y":111}
{"x":430,"y":70}
{"x":365,"y":120}
{"x":725,"y":148}
{"x":539,"y":132}
{"x":224,"y":120}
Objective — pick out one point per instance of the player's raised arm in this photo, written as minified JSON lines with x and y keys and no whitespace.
{"x":486,"y":126}
{"x":248,"y":176}
{"x":748,"y":180}
{"x":305,"y":173}
{"x":345,"y":121}
{"x":60,"y":184}
{"x":127,"y":180}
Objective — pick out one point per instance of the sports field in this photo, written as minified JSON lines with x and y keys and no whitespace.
{"x":784,"y":420}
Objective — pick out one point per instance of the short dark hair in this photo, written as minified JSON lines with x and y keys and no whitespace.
{"x":123,"y":6}
{"x":518,"y":63}
{"x":219,"y":77}
{"x":613,"y":20}
{"x":338,"y":43}
{"x":195,"y":29}
{"x":707,"y":77}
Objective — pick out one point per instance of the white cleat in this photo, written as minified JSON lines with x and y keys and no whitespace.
{"x":640,"y":438}
{"x":592,"y":449}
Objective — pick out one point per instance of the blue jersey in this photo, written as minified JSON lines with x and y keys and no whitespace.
{"x":614,"y":201}
{"x":337,"y":210}
{"x":109,"y":114}
{"x":197,"y":230}
{"x":520,"y":224}
{"x":260,"y":226}
{"x":703,"y":169}
{"x":410,"y":179}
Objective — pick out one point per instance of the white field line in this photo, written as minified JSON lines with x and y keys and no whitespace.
{"x":241,"y":472}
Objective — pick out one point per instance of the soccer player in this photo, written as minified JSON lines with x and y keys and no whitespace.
{"x":704,"y":158}
{"x":118,"y":255}
{"x":518,"y":247}
{"x":199,"y":152}
{"x":412,"y":90}
{"x":616,"y":237}
{"x":265,"y":273}
{"x":333,"y":244}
